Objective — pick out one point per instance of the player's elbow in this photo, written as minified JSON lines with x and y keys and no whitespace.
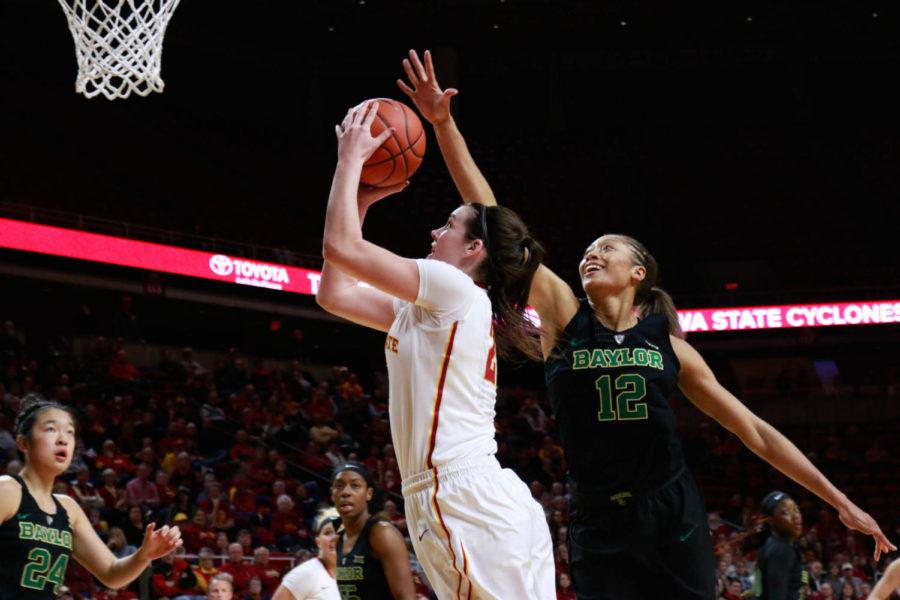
{"x":339,"y":254}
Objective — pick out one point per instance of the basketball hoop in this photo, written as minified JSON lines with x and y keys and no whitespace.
{"x":118,"y":45}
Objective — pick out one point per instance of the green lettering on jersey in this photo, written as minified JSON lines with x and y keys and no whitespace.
{"x":49,"y":535}
{"x":598,"y":360}
{"x":349,"y":574}
{"x":604,"y":358}
{"x":38,"y":571}
{"x":580,"y":359}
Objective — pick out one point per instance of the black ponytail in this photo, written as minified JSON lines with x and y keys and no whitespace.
{"x":649,"y":298}
{"x":513,"y":257}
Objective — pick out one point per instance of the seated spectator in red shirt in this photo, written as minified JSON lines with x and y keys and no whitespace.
{"x":268,"y":573}
{"x":119,"y":594}
{"x":142,"y":491}
{"x":825,"y":592}
{"x":243,"y":447}
{"x":564,"y":589}
{"x":287,"y":525}
{"x":111,"y":458}
{"x":172,"y":577}
{"x":84,"y":491}
{"x":115,"y":498}
{"x":733,"y":591}
{"x":80,"y":581}
{"x":167,"y":492}
{"x":184,"y":475}
{"x":245,"y":539}
{"x":206,"y":569}
{"x":315,"y":460}
{"x":174,"y":437}
{"x":198,"y":533}
{"x":255,"y":590}
{"x":218,"y":507}
{"x":395,"y":516}
{"x":121,"y":369}
{"x":239,"y":571}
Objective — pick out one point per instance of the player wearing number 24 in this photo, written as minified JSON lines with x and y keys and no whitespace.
{"x":40,"y":530}
{"x":612,"y":360}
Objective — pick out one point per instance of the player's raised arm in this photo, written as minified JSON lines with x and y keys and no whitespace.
{"x":699,"y":384}
{"x":888,"y":583}
{"x":343,"y":244}
{"x":341,"y":295}
{"x":434,"y":104}
{"x":550,"y":296}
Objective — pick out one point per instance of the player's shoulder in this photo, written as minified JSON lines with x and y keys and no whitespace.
{"x":10,"y":496}
{"x":70,"y":505}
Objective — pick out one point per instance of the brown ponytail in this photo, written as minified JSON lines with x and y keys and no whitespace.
{"x":513,"y":257}
{"x":649,"y":298}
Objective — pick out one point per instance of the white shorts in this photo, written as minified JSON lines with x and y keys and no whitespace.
{"x":479,"y":534}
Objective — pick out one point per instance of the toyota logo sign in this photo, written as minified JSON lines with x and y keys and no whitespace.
{"x":221,"y":265}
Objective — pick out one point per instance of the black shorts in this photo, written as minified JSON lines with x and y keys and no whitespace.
{"x":655,"y":545}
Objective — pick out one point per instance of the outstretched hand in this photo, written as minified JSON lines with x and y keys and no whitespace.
{"x":369,"y":195}
{"x":354,"y":134}
{"x":426,"y":94}
{"x":856,"y":518}
{"x":158,"y":543}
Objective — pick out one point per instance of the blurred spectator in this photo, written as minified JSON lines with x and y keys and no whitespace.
{"x":564,"y":589}
{"x":205,"y":569}
{"x":142,"y":491}
{"x":84,"y":491}
{"x":221,"y":587}
{"x":198,"y":533}
{"x":173,"y":578}
{"x":125,"y":323}
{"x":239,"y":571}
{"x":287,"y":525}
{"x":255,"y":590}
{"x":848,"y":577}
{"x":114,"y":497}
{"x":118,"y":545}
{"x":825,"y":592}
{"x":268,"y":574}
{"x":134,"y":527}
{"x":111,"y":458}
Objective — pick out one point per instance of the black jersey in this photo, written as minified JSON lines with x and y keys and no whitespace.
{"x":779,"y":571}
{"x":610,"y":394}
{"x":35,"y":547}
{"x":360,"y":576}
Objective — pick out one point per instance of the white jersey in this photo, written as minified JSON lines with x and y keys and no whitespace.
{"x":442,"y":370}
{"x":311,"y":581}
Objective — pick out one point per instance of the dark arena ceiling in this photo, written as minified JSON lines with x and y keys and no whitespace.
{"x":754,"y":143}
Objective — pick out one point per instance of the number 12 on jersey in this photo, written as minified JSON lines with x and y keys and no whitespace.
{"x":630,"y":389}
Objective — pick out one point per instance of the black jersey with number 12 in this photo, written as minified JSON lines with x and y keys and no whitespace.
{"x":610,"y":393}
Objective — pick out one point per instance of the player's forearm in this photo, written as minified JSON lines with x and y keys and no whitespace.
{"x":123,"y":571}
{"x":332,"y":281}
{"x":343,"y":230}
{"x":467,"y":177}
{"x":773,"y":447}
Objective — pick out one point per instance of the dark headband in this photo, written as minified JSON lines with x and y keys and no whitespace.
{"x":361,"y":470}
{"x":484,"y":229}
{"x":771,"y":501}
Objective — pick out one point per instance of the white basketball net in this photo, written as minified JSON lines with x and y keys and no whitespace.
{"x":118,"y":45}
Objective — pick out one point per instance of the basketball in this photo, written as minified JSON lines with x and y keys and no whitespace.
{"x":401,"y":154}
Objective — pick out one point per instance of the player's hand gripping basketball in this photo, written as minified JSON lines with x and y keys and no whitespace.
{"x":426,"y":94}
{"x":355,"y":141}
{"x":159,"y":542}
{"x":855,"y":518}
{"x":369,"y":195}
